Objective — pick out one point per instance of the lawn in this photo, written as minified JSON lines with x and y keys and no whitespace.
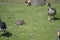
{"x":36,"y":27}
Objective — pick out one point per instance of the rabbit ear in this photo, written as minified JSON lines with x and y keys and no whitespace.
{"x":48,"y":3}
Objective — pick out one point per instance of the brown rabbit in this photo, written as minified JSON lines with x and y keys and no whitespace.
{"x":51,"y":12}
{"x":28,"y":2}
{"x":19,"y":22}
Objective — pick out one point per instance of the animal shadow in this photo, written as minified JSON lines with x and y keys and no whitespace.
{"x":57,"y":19}
{"x":7,"y":34}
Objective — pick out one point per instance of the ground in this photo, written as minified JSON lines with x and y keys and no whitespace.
{"x":36,"y":27}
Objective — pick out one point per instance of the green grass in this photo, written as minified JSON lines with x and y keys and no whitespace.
{"x":37,"y":26}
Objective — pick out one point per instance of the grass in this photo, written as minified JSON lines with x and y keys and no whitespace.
{"x":37,"y":26}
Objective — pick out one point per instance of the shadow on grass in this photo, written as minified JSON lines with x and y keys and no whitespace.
{"x":57,"y":19}
{"x":7,"y":34}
